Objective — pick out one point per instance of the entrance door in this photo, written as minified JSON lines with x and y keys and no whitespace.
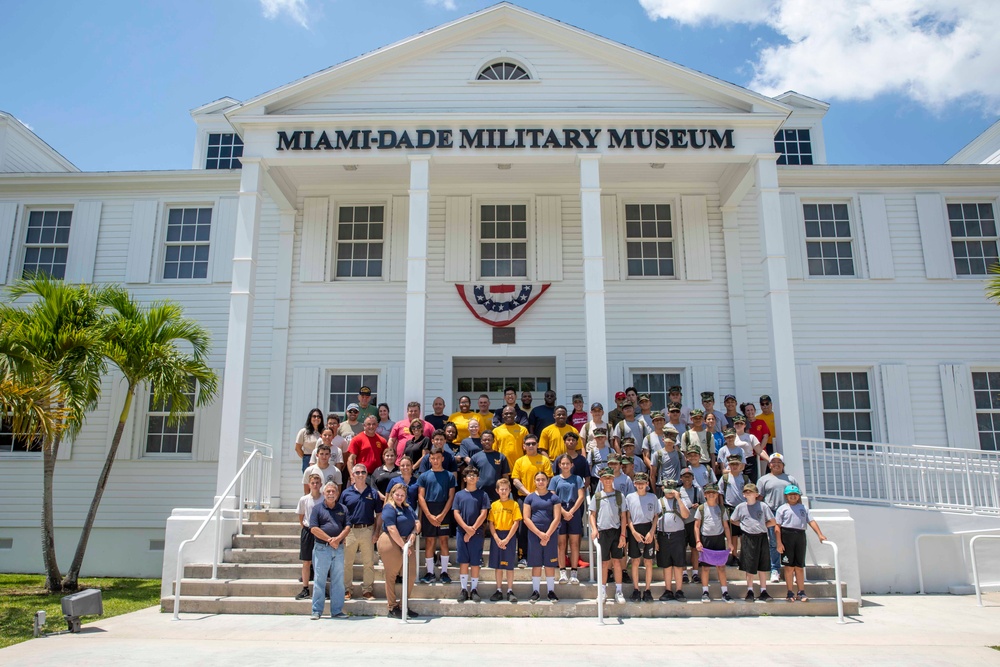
{"x":484,"y":375}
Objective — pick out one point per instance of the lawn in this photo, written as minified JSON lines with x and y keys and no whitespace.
{"x":21,"y":595}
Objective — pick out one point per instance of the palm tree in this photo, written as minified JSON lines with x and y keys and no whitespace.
{"x":993,"y":284}
{"x":28,"y":405}
{"x":145,"y":343}
{"x":53,"y":345}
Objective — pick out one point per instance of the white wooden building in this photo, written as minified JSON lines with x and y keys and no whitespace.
{"x":689,"y":231}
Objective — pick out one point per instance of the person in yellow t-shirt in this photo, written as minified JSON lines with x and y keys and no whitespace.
{"x":526,"y":467}
{"x":485,"y":415}
{"x":767,"y":414}
{"x":508,"y":438}
{"x":461,"y":418}
{"x":504,"y":519}
{"x":550,"y":442}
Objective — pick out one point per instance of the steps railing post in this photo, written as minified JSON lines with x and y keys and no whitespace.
{"x":406,"y":580}
{"x":836,"y":576}
{"x":600,"y":585}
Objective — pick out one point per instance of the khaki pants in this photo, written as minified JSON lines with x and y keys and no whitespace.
{"x":392,"y":565}
{"x":359,"y":539}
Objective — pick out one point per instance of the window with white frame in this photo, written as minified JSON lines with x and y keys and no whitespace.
{"x":828,"y":239}
{"x":847,"y":405}
{"x":973,"y":237}
{"x":13,"y":443}
{"x":503,"y":241}
{"x":46,"y":243}
{"x":224,"y":151}
{"x":360,"y":241}
{"x":649,"y":240}
{"x":188,"y":236}
{"x":986,"y":391}
{"x":503,"y":71}
{"x":656,"y":384}
{"x":164,"y":436}
{"x":793,"y":146}
{"x":344,"y":389}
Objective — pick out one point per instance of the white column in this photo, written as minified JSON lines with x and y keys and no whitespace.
{"x":241,"y":301}
{"x":593,"y":279}
{"x":416,"y":281}
{"x":779,"y":315}
{"x":737,"y":300}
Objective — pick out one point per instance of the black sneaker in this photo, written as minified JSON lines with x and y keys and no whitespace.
{"x":696,"y":578}
{"x":705,"y":597}
{"x":790,"y":597}
{"x":636,"y":595}
{"x":399,"y":578}
{"x":764,"y":597}
{"x":726,"y":597}
{"x":511,"y":598}
{"x":496,"y":597}
{"x":410,"y":613}
{"x":305,"y":594}
{"x":668,"y":596}
{"x":463,"y":595}
{"x":396,"y":612}
{"x":647,"y":596}
{"x":427,"y":578}
{"x":749,"y":596}
{"x":684,"y":578}
{"x":626,"y":577}
{"x":553,"y":597}
{"x":534,"y":596}
{"x":679,"y":596}
{"x":444,"y":578}
{"x":474,"y":596}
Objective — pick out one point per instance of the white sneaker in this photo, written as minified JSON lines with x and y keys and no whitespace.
{"x":562,"y":577}
{"x":574,"y":580}
{"x":775,"y":577}
{"x":523,"y":563}
{"x":619,"y":597}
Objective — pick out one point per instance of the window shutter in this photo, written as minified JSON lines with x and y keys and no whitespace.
{"x":810,"y":401}
{"x":140,"y":243}
{"x":208,"y":427}
{"x":935,"y":237}
{"x":224,"y":239}
{"x":611,"y":241}
{"x":458,"y":240}
{"x":399,"y":239}
{"x":548,"y":238}
{"x":896,"y":404}
{"x":312,"y":253}
{"x":8,"y":215}
{"x":794,"y":240}
{"x":83,"y":232}
{"x":875,"y":227}
{"x":704,"y":378}
{"x":697,"y":246}
{"x":119,"y":388}
{"x":959,"y":413}
{"x":305,"y":397}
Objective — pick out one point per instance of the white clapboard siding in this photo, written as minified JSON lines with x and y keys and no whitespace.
{"x":208,"y":426}
{"x":548,"y":238}
{"x":305,"y":395}
{"x":391,"y":391}
{"x":611,"y":239}
{"x":142,"y":235}
{"x":312,"y":253}
{"x":875,"y":228}
{"x":704,"y":377}
{"x":224,"y":239}
{"x":794,"y":238}
{"x":935,"y":237}
{"x":810,"y":400}
{"x":697,"y":248}
{"x":8,"y":216}
{"x":399,"y":239}
{"x":959,"y":412}
{"x":458,"y":239}
{"x":897,"y":404}
{"x":83,"y":233}
{"x":119,"y":389}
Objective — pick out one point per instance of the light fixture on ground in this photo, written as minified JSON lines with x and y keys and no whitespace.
{"x":84,"y":603}
{"x":656,"y":165}
{"x":39,"y":622}
{"x":503,"y":166}
{"x":350,"y":167}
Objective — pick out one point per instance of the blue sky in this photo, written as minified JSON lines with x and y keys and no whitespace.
{"x":109,"y":84}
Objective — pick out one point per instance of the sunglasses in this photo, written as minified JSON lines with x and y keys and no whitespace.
{"x":360,"y":472}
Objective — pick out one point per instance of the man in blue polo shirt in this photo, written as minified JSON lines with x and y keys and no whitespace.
{"x":360,"y":500}
{"x":329,"y":525}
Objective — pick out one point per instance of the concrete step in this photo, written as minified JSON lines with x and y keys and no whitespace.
{"x":266,"y":542}
{"x":271,"y":528}
{"x":561,"y":609}
{"x":276,"y":515}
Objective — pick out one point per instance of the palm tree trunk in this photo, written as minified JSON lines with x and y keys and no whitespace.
{"x":53,"y":579}
{"x":71,"y":582}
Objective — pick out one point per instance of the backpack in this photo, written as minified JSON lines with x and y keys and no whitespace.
{"x":600,"y":496}
{"x":701,"y":514}
{"x":676,"y":510}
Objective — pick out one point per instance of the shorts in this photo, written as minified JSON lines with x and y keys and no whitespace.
{"x":574,"y":526}
{"x":506,"y":558}
{"x":689,"y":535}
{"x":542,"y":556}
{"x":427,"y":529}
{"x":714,"y":542}
{"x":794,"y":541}
{"x":306,"y":543}
{"x":755,"y":553}
{"x":470,"y":552}
{"x":734,"y":528}
{"x":637,"y":549}
{"x":607,"y":540}
{"x":671,"y":550}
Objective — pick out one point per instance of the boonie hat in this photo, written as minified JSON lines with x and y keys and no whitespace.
{"x":710,"y":488}
{"x":607,"y":472}
{"x":791,"y":488}
{"x":641,"y":477}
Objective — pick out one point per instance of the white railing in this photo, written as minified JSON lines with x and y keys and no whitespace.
{"x":601,"y":592}
{"x":975,"y":569}
{"x":590,"y":542}
{"x":914,"y":476}
{"x":836,"y":580}
{"x":961,"y":534}
{"x":406,"y":579}
{"x":252,"y":482}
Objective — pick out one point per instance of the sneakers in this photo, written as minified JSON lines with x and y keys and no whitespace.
{"x":696,"y":578}
{"x":399,"y":578}
{"x":496,"y":597}
{"x":626,"y":577}
{"x":427,"y":578}
{"x":474,"y":596}
{"x":340,"y":614}
{"x":463,"y":595}
{"x":647,"y":596}
{"x":726,"y":597}
{"x":668,"y":596}
{"x":368,"y":595}
{"x":523,"y":563}
{"x":511,"y":598}
{"x":574,"y":579}
{"x":749,"y":596}
{"x":705,"y":597}
{"x":410,"y":613}
{"x":562,"y":577}
{"x":396,"y":612}
{"x":619,"y":597}
{"x":553,"y":597}
{"x":684,"y":578}
{"x":802,"y":597}
{"x":679,"y":596}
{"x":305,"y":594}
{"x":636,"y":595}
{"x":444,"y":578}
{"x":790,"y":597}
{"x":764,"y":597}
{"x":314,"y":617}
{"x":775,"y":577}
{"x":534,"y":596}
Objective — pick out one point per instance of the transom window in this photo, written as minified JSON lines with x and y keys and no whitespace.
{"x":503,"y":236}
{"x":793,"y":146}
{"x":828,"y":239}
{"x":46,"y":243}
{"x":986,"y":390}
{"x":649,"y":240}
{"x":344,"y":389}
{"x":656,"y":385}
{"x":847,"y":406}
{"x":224,"y":151}
{"x":503,"y":71}
{"x":189,"y":231}
{"x":163,"y":437}
{"x":360,"y":241}
{"x":973,"y":237}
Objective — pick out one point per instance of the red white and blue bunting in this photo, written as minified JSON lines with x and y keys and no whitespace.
{"x":500,"y":305}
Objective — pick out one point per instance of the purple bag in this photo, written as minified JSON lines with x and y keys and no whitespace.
{"x":717,"y":557}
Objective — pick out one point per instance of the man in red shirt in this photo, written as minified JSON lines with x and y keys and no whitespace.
{"x":366,"y":447}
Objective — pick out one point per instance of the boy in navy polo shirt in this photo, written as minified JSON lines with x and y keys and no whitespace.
{"x":471,"y":508}
{"x":435,"y":494}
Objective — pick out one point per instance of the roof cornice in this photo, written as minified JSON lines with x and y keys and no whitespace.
{"x":873,"y":176}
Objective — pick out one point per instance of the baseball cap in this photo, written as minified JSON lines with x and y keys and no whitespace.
{"x":711,"y":488}
{"x":697,"y":412}
{"x":641,"y":477}
{"x":728,"y":396}
{"x":353,"y":406}
{"x":734,"y":458}
{"x":669,"y":484}
{"x":729,"y":432}
{"x":658,"y":415}
{"x":687,"y":471}
{"x":600,"y":432}
{"x":777,"y":457}
{"x":644,"y":397}
{"x":619,"y":395}
{"x":607,"y":472}
{"x":791,"y":488}
{"x":750,"y":486}
{"x":596,"y":406}
{"x":365,"y":391}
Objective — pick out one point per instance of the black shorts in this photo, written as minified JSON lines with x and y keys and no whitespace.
{"x":734,"y":528}
{"x":427,"y":529}
{"x":607,"y":540}
{"x":794,"y":541}
{"x":638,"y":549}
{"x":714,"y":542}
{"x":689,"y":535}
{"x":755,"y":553}
{"x":306,"y":544}
{"x":670,"y":549}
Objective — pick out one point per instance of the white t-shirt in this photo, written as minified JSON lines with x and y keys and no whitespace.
{"x":748,"y":443}
{"x":331,"y":474}
{"x":338,"y":449}
{"x":305,"y":508}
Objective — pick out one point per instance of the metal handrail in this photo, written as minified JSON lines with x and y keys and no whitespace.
{"x":590,"y":542}
{"x":406,"y":579}
{"x":975,"y":570}
{"x":836,"y":577}
{"x":601,"y":592}
{"x":959,"y":534}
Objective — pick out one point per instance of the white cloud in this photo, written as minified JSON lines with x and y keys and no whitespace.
{"x":935,"y":52}
{"x":297,"y":10}
{"x":443,"y":4}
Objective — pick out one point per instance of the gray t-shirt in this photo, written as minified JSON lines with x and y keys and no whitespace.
{"x":609,"y":514}
{"x":712,"y":519}
{"x":703,"y":475}
{"x":795,"y":516}
{"x":641,"y":509}
{"x":701,"y":438}
{"x":752,"y":518}
{"x":732,"y":489}
{"x":670,"y":520}
{"x":725,"y":452}
{"x":772,"y":487}
{"x":694,"y":497}
{"x":668,"y":464}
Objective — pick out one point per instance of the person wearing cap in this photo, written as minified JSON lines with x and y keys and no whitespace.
{"x":622,"y":482}
{"x":596,"y":421}
{"x":646,"y":410}
{"x":617,"y":414}
{"x":708,"y":405}
{"x":791,"y":521}
{"x":636,"y":462}
{"x":753,"y":518}
{"x":730,"y":402}
{"x":351,"y":426}
{"x":703,"y":475}
{"x":568,"y":486}
{"x":542,"y":416}
{"x":485,"y":414}
{"x":713,"y":540}
{"x":674,"y":412}
{"x":608,"y":523}
{"x":401,"y":432}
{"x":671,"y":540}
{"x":772,"y":490}
{"x":365,"y":406}
{"x":509,"y":436}
{"x":550,"y":441}
{"x":578,"y":417}
{"x":510,"y":401}
{"x":665,"y":460}
{"x":462,"y":418}
{"x":641,"y":510}
{"x":599,"y":454}
{"x":731,"y":447}
{"x":694,"y":496}
{"x":437,"y":418}
{"x":731,"y":484}
{"x":753,"y":450}
{"x":698,"y":436}
{"x":653,"y":442}
{"x":630,"y":425}
{"x":767,"y":416}
{"x":674,"y":395}
{"x":522,"y":476}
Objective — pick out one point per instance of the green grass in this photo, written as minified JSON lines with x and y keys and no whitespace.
{"x":21,"y":595}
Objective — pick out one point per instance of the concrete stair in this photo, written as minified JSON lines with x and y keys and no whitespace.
{"x":259,"y":575}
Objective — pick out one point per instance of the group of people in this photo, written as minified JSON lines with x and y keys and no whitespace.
{"x":651,"y":485}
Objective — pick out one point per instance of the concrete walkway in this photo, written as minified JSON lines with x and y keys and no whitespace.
{"x":893,"y":630}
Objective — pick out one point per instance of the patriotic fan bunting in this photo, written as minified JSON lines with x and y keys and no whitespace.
{"x":500,"y":305}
